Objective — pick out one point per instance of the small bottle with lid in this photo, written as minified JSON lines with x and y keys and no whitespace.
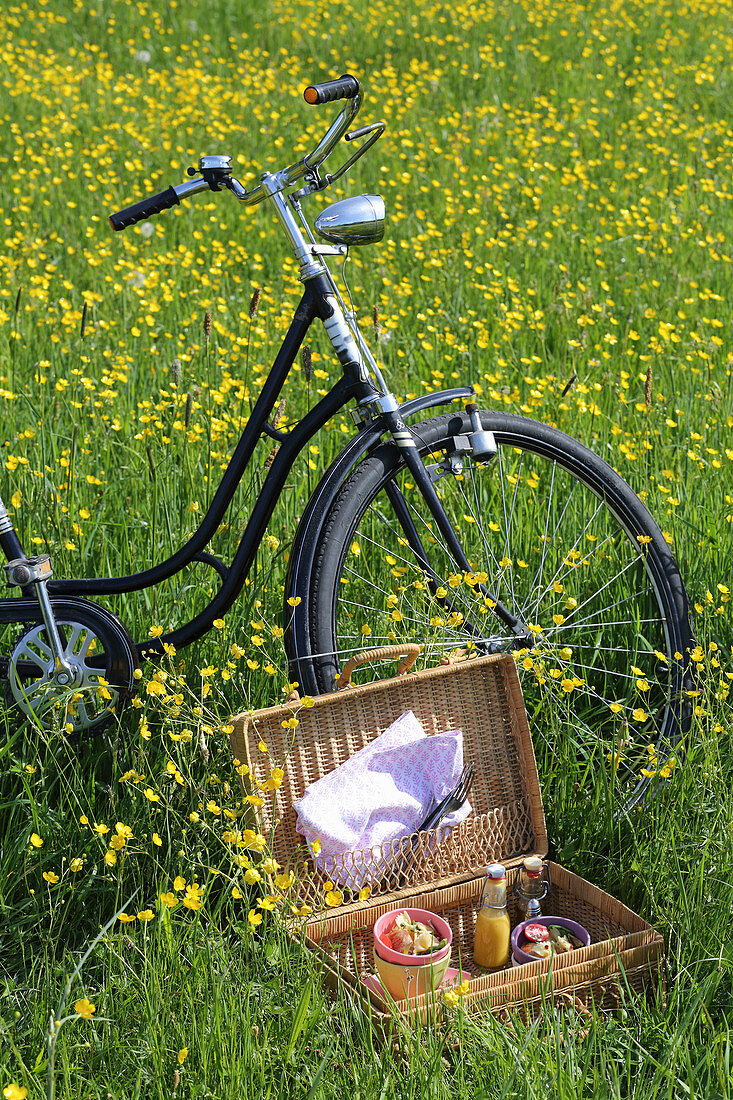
{"x":491,"y":936}
{"x":532,"y":886}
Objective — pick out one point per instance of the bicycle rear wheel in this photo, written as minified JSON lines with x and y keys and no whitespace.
{"x":554,"y":534}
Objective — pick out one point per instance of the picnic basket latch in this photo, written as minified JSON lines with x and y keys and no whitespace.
{"x":409,"y":652}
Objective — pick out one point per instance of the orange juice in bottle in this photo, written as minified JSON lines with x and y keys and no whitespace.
{"x":491,"y":936}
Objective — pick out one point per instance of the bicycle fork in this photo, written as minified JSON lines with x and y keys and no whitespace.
{"x":32,"y":575}
{"x":355,"y":356}
{"x":482,"y":446}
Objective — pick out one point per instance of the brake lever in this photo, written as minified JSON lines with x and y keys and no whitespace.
{"x":376,"y":129}
{"x":316,"y":182}
{"x":235,"y":187}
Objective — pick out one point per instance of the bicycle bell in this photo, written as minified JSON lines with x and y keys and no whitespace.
{"x":356,"y":220}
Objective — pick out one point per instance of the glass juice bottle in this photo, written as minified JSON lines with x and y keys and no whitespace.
{"x":491,"y":937}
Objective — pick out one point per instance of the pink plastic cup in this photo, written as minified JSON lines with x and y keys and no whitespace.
{"x":442,"y":930}
{"x":410,"y":976}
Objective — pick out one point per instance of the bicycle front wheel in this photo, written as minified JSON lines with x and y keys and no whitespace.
{"x":553,"y":534}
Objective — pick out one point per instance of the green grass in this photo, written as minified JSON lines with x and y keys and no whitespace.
{"x":559,"y":223}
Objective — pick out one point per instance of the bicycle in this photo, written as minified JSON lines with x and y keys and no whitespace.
{"x":474,"y":531}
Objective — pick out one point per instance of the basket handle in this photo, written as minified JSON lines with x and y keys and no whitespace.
{"x":411,"y":651}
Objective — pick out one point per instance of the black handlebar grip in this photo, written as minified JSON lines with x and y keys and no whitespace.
{"x":154,"y":204}
{"x":346,"y":87}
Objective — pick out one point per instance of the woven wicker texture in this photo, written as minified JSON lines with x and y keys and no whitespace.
{"x":482,"y":698}
{"x":348,"y":937}
{"x":618,"y":938}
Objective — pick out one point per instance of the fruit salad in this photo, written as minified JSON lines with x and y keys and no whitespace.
{"x":411,"y":937}
{"x":541,"y":940}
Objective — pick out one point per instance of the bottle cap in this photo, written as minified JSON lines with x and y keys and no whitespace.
{"x":533,"y":865}
{"x":496,"y":870}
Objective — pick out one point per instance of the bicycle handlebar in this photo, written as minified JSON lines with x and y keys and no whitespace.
{"x":345,"y":87}
{"x":153,"y":204}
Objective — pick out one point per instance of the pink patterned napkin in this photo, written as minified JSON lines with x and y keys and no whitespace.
{"x":381,"y":793}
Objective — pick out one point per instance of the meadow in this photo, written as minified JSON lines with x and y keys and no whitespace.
{"x":560,"y":234}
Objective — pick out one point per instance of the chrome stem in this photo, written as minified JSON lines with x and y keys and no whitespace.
{"x":64,"y":672}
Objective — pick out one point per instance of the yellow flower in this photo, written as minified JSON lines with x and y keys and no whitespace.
{"x":219,"y":624}
{"x":639,"y":715}
{"x":76,"y":864}
{"x":169,"y":899}
{"x":182,"y":1055}
{"x":51,"y":877}
{"x":364,"y":893}
{"x":193,"y":895}
{"x":237,"y":893}
{"x":15,"y":1092}
{"x":268,"y":902}
{"x":254,"y":840}
{"x":284,"y":882}
{"x":334,"y":898}
{"x":36,"y":840}
{"x":156,"y":840}
{"x":254,"y":917}
{"x":110,"y":858}
{"x":316,"y":847}
{"x":251,"y":876}
{"x":293,"y":601}
{"x":85,"y":1008}
{"x":179,"y":883}
{"x":270,"y":866}
{"x":126,"y":918}
{"x":275,"y":779}
{"x":151,"y":795}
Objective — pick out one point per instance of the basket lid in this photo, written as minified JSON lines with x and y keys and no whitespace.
{"x":482,"y":697}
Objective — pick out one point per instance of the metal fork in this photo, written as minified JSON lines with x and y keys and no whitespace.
{"x":452,"y":801}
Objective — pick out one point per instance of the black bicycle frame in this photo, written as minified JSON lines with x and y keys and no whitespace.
{"x":351,"y":385}
{"x":354,"y":384}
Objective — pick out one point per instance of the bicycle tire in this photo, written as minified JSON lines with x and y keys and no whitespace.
{"x":623,"y":666}
{"x":95,"y":639}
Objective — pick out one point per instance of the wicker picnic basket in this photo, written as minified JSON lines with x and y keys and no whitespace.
{"x":444,"y":874}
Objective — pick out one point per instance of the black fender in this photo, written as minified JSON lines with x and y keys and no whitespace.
{"x":296,"y":618}
{"x":26,"y":611}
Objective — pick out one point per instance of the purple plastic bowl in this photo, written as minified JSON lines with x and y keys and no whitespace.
{"x":571,"y":925}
